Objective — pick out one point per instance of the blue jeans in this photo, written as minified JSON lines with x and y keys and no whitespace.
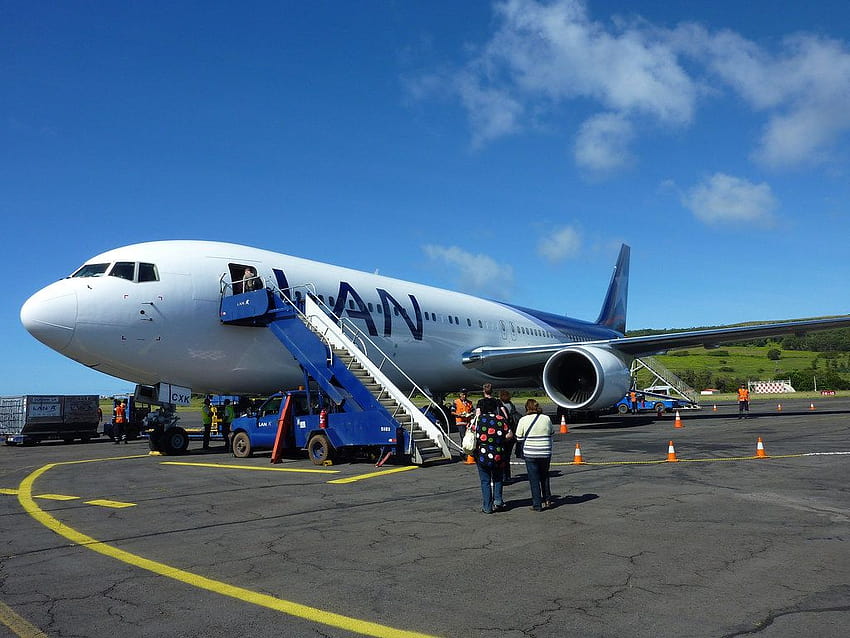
{"x":491,"y":495}
{"x":538,"y":479}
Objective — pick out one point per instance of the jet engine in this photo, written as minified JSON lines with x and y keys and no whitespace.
{"x":586,"y":377}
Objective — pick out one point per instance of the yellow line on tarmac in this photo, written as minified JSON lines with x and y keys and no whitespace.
{"x":251,"y":467}
{"x":57,"y":497}
{"x":102,"y":502}
{"x":352,"y":479}
{"x":10,"y":492}
{"x":310,"y":614}
{"x":20,"y":626}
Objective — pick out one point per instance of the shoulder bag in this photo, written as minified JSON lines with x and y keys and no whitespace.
{"x":521,"y":441}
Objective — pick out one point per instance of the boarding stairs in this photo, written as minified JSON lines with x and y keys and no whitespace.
{"x":333,"y":353}
{"x":664,"y":376}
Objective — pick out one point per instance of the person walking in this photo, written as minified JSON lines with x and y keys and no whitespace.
{"x":513,"y":419}
{"x":491,"y":431}
{"x":535,"y":429}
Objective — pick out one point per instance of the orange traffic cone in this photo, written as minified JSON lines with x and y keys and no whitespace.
{"x":577,"y":460}
{"x":469,"y":460}
{"x":714,"y":409}
{"x":564,"y":428}
{"x":678,"y":422}
{"x":779,"y":408}
{"x":671,"y":453}
{"x":811,"y":406}
{"x":760,"y":453}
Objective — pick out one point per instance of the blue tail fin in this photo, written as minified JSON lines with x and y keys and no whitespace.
{"x":613,"y":314}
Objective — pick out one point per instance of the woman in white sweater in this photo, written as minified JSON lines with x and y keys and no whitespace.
{"x":535,"y":431}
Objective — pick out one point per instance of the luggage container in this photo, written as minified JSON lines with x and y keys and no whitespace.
{"x":31,"y":418}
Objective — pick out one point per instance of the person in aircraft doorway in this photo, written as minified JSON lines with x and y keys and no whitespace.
{"x":250,"y":280}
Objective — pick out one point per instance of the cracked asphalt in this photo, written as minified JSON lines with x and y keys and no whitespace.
{"x":714,"y":545}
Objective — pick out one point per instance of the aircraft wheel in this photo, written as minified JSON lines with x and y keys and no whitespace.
{"x":319,"y":449}
{"x":241,"y":445}
{"x":622,"y":408}
{"x":174,"y":441}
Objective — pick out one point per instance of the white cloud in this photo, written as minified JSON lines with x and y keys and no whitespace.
{"x":544,"y":56}
{"x":493,"y":113}
{"x":602,"y":143}
{"x":479,"y":274}
{"x":722,"y":199}
{"x":804,"y":89}
{"x":561,"y":244}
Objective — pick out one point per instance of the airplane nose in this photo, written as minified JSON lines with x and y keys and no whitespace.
{"x":50,"y":316}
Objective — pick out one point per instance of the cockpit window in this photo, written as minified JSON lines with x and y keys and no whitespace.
{"x":147,"y":272}
{"x":91,"y":270}
{"x":124,"y":270}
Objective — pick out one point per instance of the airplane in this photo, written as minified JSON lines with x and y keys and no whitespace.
{"x":149,"y":313}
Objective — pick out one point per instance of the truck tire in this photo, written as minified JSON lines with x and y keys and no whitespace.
{"x":659,"y":408}
{"x":319,"y":449}
{"x":623,"y":408}
{"x":241,"y":445}
{"x":174,"y":441}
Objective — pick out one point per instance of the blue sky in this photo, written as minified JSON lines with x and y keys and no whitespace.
{"x":499,"y":148}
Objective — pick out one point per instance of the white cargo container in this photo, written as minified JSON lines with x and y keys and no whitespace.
{"x":33,"y":418}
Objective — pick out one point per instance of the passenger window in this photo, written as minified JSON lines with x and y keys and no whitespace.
{"x":123,"y":270}
{"x":91,"y":270}
{"x":369,"y":305}
{"x":147,"y":272}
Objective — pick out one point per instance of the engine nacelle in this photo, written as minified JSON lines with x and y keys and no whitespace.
{"x":586,"y":377}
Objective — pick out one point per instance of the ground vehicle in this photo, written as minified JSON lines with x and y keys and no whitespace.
{"x":649,"y":403}
{"x":32,"y":418}
{"x":307,"y":421}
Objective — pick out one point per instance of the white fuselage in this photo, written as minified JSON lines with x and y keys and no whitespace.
{"x":167,"y":328}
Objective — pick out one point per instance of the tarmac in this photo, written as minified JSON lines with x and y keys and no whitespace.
{"x":103,"y":540}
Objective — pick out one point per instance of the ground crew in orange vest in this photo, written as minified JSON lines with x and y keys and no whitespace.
{"x":462,"y":410}
{"x":633,"y":400}
{"x":743,"y":402}
{"x":120,"y":417}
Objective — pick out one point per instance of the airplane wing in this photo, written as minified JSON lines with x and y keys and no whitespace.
{"x":529,"y":360}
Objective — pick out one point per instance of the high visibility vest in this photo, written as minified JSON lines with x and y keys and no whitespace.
{"x":462,"y":407}
{"x":119,"y":413}
{"x":743,"y":394}
{"x":206,"y":415}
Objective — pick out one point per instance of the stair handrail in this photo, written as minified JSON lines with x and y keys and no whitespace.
{"x":364,"y":339}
